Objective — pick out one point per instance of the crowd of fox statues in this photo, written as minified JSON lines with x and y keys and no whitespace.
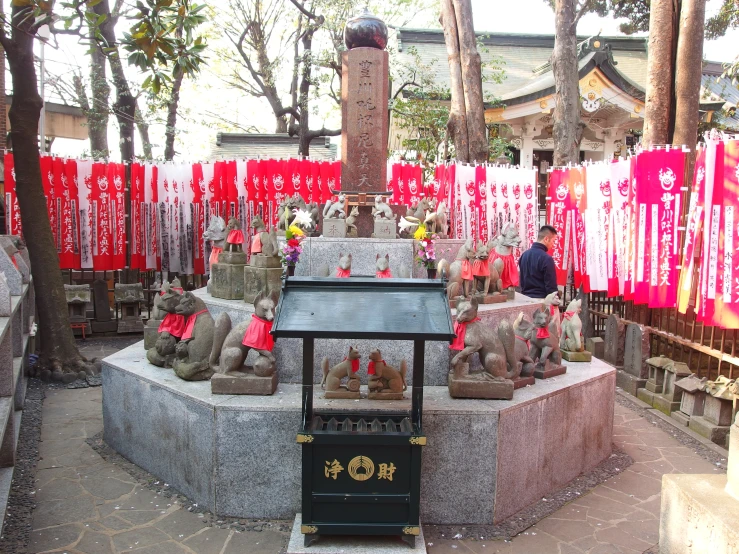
{"x":486,"y":361}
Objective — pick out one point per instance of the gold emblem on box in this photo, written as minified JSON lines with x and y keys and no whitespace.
{"x":304,"y":438}
{"x":308,"y":529}
{"x":412,"y":531}
{"x":421,"y":441}
{"x":363,"y":463}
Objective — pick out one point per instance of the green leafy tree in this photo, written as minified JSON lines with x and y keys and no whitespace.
{"x":163,"y":43}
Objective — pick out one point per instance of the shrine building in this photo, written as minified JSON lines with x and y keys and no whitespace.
{"x":612,"y":72}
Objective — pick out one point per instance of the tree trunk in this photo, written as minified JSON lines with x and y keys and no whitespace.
{"x":688,"y":74}
{"x":471,"y":65}
{"x":457,"y":123}
{"x":659,"y":74}
{"x":169,"y":132}
{"x":125,"y":104}
{"x":304,"y":134}
{"x":567,"y":132}
{"x":143,"y":128}
{"x":58,"y":349}
{"x":96,"y":111}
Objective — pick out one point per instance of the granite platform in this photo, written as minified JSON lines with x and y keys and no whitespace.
{"x":237,"y":455}
{"x":324,"y":251}
{"x":289,"y":352}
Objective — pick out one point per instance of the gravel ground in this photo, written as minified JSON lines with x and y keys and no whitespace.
{"x":17,"y":528}
{"x":683,"y":438}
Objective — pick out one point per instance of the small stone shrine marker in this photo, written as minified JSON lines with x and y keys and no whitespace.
{"x":614,"y":343}
{"x":635,"y":373}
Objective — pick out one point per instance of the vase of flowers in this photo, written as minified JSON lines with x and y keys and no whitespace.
{"x":291,"y":250}
{"x":426,"y":255}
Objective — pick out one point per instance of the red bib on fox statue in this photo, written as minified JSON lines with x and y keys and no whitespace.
{"x":509,"y":275}
{"x":257,"y":334}
{"x":460,"y":329}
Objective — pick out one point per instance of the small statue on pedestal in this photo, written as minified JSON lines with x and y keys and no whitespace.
{"x":351,"y":227}
{"x":505,"y":270}
{"x":385,"y":382}
{"x":231,"y":347}
{"x":384,"y":219}
{"x":170,"y":328}
{"x":334,"y":218}
{"x":459,"y":273}
{"x":347,"y":369}
{"x":162,"y":309}
{"x":497,"y":352}
{"x":215,"y":233}
{"x":481,"y":271}
{"x":264,"y":272}
{"x":382,"y":267}
{"x":344,"y":269}
{"x":227,"y":276}
{"x":545,"y":346}
{"x":436,"y":221}
{"x":571,"y":343}
{"x":194,"y":349}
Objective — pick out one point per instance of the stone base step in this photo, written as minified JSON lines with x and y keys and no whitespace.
{"x":645,"y":395}
{"x":683,"y":419}
{"x":715,"y":433}
{"x":628,"y":382}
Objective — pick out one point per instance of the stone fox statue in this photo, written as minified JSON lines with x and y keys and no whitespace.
{"x":459,"y":273}
{"x":193,"y":350}
{"x":496,"y":347}
{"x":162,"y":354}
{"x":383,"y":378}
{"x":545,"y":342}
{"x":571,"y":339}
{"x":229,"y":352}
{"x":264,"y":242}
{"x":349,"y":368}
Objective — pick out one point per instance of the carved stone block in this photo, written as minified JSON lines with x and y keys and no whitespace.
{"x":521,"y":382}
{"x":472,"y":387}
{"x":334,"y":228}
{"x":549,"y":370}
{"x":227,"y":281}
{"x":341,"y":394}
{"x":235,"y":258}
{"x":257,"y":279}
{"x":258,"y":260}
{"x":243,"y":382}
{"x":385,"y":229}
{"x":384,"y":395}
{"x":583,"y":356}
{"x":596,"y":346}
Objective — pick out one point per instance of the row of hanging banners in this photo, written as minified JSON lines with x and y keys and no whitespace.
{"x":172,"y":204}
{"x":619,"y":229}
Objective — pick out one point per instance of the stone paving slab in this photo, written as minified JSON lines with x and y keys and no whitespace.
{"x":88,"y":505}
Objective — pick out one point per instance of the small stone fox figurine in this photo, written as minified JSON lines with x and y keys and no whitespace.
{"x":348,"y":368}
{"x":383,"y":378}
{"x":345,"y":265}
{"x":382,"y":267}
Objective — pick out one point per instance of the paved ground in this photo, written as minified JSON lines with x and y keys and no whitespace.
{"x":88,"y":505}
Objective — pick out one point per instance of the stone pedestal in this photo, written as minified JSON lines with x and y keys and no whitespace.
{"x":545,"y":436}
{"x":243,"y":382}
{"x":613,"y":350}
{"x":692,"y":400}
{"x":334,"y":228}
{"x":227,"y":280}
{"x":521,"y":382}
{"x":385,"y":229}
{"x":385,"y":395}
{"x":477,"y":386}
{"x":549,"y":370}
{"x":342,"y":394}
{"x":596,"y":346}
{"x":263,"y":274}
{"x":583,"y":356}
{"x":636,"y":351}
{"x":151,"y":333}
{"x":494,"y":298}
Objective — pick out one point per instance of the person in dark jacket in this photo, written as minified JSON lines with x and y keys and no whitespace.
{"x":538,"y":276}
